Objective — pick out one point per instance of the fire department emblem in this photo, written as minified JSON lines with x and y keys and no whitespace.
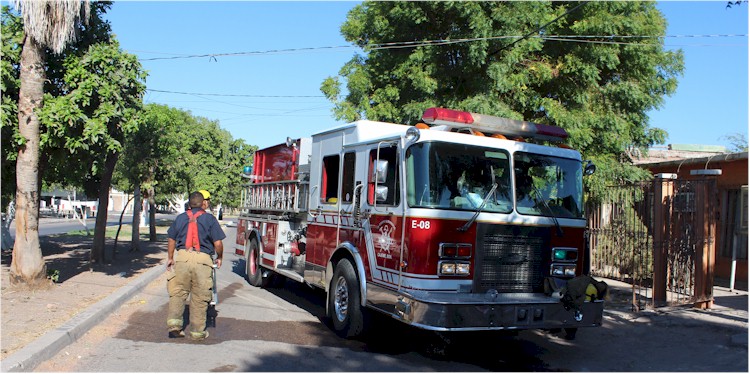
{"x":385,"y":240}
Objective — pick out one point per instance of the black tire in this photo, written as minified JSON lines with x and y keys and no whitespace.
{"x":253,"y":270}
{"x":344,"y":302}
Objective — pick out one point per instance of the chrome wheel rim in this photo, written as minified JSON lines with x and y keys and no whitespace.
{"x":341,"y":299}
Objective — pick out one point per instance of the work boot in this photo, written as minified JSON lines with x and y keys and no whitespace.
{"x":198,"y":336}
{"x":173,"y":334}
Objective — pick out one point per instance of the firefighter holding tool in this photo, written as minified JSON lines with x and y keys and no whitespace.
{"x":196,"y":237}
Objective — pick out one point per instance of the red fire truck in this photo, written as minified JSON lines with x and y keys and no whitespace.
{"x":466,"y":224}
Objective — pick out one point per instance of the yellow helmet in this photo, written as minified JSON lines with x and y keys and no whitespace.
{"x":591,"y":292}
{"x":206,"y":195}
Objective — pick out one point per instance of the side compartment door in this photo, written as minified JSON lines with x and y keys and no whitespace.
{"x":383,"y":201}
{"x":348,"y":230}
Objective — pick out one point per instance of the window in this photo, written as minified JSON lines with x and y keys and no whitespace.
{"x":383,"y":173}
{"x":734,"y":230}
{"x":458,"y":176}
{"x":329,"y":186}
{"x":548,"y":186}
{"x":347,"y":185}
{"x":743,"y":211}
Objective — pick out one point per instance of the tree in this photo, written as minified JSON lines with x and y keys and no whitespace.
{"x":142,"y":155}
{"x":105,"y":89}
{"x":198,"y":155}
{"x":46,"y":24}
{"x":735,"y":3}
{"x":737,"y":141}
{"x":12,"y":40}
{"x":175,"y":153}
{"x":97,"y":30}
{"x":570,"y":71}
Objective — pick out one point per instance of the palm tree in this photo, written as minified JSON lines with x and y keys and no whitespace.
{"x":47,"y":24}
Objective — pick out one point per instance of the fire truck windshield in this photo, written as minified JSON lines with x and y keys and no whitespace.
{"x":547,"y":185}
{"x":458,"y":176}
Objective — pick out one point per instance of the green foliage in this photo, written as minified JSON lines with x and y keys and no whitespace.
{"x":599,"y":91}
{"x":53,"y":275}
{"x":12,"y":37}
{"x":737,"y":141}
{"x":96,"y":31}
{"x":103,"y":101}
{"x":178,"y":153}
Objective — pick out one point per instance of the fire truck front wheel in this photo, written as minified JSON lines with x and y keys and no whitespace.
{"x":344,"y":305}
{"x":253,"y":270}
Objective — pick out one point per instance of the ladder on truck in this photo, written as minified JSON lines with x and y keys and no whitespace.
{"x":278,"y":197}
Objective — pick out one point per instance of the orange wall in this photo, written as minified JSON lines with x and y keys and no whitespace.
{"x":733,"y":175}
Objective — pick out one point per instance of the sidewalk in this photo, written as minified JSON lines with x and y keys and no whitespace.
{"x":37,"y":324}
{"x":67,"y":311}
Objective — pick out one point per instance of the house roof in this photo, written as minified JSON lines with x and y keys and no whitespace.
{"x":693,"y":160}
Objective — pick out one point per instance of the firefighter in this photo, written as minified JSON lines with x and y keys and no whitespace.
{"x":197,"y":237}
{"x":206,"y":201}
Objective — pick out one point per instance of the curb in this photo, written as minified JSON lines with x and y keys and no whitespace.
{"x":49,"y":344}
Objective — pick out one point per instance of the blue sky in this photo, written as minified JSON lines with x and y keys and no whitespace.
{"x":294,"y":46}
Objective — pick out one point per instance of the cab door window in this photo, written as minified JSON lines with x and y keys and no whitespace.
{"x":383,"y":186}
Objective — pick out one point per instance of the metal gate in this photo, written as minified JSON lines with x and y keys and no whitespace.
{"x":658,"y":236}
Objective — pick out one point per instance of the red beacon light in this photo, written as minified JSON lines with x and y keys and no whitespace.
{"x":491,"y":124}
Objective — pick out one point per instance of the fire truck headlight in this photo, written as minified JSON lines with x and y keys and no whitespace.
{"x":558,"y":270}
{"x":462,"y":268}
{"x":458,"y":268}
{"x":447,"y":268}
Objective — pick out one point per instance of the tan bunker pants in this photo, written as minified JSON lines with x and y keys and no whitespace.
{"x":192,"y":276}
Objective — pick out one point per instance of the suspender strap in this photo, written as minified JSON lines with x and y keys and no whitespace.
{"x":192,"y":240}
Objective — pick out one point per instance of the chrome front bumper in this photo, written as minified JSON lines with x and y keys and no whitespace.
{"x":477,"y":312}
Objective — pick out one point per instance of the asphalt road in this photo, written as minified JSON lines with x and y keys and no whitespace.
{"x":54,"y":225}
{"x":284,"y":330}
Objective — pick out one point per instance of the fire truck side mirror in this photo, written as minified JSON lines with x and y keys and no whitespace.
{"x":381,"y":194}
{"x":380,"y":171}
{"x":590,"y":168}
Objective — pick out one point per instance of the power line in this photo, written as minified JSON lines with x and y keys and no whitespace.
{"x":633,"y":44}
{"x":272,"y":51}
{"x":232,"y":95}
{"x":426,"y":43}
{"x":538,"y":30}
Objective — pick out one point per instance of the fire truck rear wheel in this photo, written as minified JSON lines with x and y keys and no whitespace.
{"x":344,"y":304}
{"x":253,"y":270}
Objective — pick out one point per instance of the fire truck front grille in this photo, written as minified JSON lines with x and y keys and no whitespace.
{"x":508,"y":263}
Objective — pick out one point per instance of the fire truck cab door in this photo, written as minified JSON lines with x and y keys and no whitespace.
{"x":382,"y":198}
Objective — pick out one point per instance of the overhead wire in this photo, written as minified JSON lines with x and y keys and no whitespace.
{"x":426,"y":43}
{"x":233,"y":95}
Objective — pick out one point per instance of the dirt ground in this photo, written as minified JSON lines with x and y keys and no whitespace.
{"x":27,"y":315}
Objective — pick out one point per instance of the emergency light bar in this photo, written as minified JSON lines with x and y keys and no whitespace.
{"x":491,"y":124}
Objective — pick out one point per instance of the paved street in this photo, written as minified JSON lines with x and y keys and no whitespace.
{"x":283,"y":329}
{"x":50,"y":225}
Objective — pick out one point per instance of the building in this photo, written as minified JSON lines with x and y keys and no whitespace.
{"x":732,"y":228}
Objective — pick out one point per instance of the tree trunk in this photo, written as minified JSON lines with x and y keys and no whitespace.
{"x":100,"y":230}
{"x":28,"y":264}
{"x":152,"y":214}
{"x":135,"y":236}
